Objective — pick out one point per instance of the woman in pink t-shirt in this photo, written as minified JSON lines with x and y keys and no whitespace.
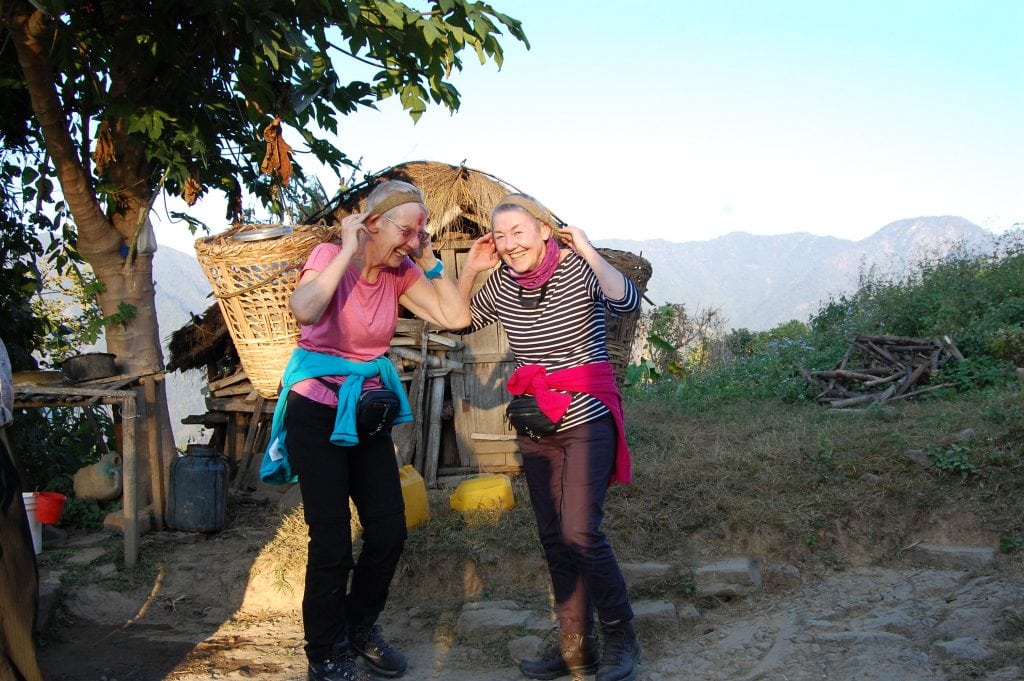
{"x":347,"y":303}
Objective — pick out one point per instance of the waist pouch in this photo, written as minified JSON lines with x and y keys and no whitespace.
{"x":376,"y":409}
{"x":524,"y":415}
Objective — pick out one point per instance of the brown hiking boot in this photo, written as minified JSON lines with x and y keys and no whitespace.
{"x":571,"y":653}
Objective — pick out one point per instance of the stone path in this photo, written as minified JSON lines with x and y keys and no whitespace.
{"x":964,"y":619}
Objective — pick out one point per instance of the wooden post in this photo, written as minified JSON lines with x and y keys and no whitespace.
{"x":156,"y":468}
{"x":419,"y":389}
{"x":129,"y":423}
{"x":248,"y":449}
{"x":404,"y":434}
{"x":433,"y":445}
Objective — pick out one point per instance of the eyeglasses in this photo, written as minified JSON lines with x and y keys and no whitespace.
{"x":407,"y":232}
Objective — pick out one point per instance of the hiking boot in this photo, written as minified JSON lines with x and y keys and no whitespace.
{"x":340,"y":665}
{"x":380,"y":657}
{"x":571,"y":653}
{"x":621,"y":653}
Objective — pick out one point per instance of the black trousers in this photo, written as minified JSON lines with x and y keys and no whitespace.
{"x":567,"y":474}
{"x":328,"y":476}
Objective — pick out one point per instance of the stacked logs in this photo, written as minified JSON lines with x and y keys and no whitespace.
{"x":878,"y":369}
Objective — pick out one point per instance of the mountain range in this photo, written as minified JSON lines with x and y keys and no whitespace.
{"x":758,"y":282}
{"x":755,"y":282}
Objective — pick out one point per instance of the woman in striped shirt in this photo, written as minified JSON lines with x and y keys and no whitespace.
{"x":551,"y":301}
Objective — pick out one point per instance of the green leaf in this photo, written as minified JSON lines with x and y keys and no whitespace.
{"x":391,"y":14}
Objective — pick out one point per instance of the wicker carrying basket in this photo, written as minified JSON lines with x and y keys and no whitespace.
{"x":253,"y":281}
{"x":622,"y":330}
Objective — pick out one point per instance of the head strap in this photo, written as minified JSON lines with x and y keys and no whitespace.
{"x":536,"y":211}
{"x":539,"y":212}
{"x":397,"y":199}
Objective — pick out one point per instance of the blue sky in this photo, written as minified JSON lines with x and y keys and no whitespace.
{"x":687,"y":120}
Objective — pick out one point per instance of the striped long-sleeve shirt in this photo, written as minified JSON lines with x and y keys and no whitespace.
{"x":557,"y":326}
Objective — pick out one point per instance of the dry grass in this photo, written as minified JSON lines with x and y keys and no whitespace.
{"x":789,"y":484}
{"x":803,"y":485}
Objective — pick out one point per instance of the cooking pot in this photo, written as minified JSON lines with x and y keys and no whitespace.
{"x":88,"y":366}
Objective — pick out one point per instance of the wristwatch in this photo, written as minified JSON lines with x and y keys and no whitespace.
{"x":435,"y":271}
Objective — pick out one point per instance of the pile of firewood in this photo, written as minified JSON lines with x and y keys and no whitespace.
{"x":878,"y":369}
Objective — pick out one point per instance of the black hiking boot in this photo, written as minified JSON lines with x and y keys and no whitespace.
{"x":380,"y":657}
{"x":570,"y":654}
{"x":621,"y":653}
{"x":340,"y":665}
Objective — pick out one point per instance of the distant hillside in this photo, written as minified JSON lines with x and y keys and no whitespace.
{"x":759,"y":282}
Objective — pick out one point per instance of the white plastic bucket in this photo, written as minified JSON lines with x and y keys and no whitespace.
{"x":33,"y":521}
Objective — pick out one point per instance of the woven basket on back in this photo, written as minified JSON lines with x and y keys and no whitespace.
{"x":253,"y":281}
{"x":622,"y":330}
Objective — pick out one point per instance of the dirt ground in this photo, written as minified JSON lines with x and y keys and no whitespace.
{"x":185,"y":622}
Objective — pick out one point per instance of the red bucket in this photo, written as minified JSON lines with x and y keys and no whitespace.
{"x":49,"y":506}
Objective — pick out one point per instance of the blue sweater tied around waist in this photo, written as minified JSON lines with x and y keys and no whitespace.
{"x":275,"y":467}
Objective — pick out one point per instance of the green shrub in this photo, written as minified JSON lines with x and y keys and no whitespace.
{"x":977,"y":300}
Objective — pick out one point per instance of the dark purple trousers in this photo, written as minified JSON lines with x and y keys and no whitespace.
{"x":567,"y":474}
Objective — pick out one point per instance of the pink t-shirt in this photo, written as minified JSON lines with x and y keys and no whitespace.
{"x":359,"y":321}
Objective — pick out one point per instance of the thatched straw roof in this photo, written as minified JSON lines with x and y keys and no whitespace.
{"x":203,"y":341}
{"x":459,"y":201}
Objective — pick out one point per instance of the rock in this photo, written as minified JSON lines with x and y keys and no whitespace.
{"x":115,"y":521}
{"x":85,"y":556}
{"x":952,"y":557}
{"x":646,"y":573}
{"x":81,"y":540}
{"x":100,"y":480}
{"x":965,"y":435}
{"x":966,"y":648}
{"x":918,"y":456}
{"x":524,"y":647}
{"x":733,"y":577}
{"x":655,"y":612}
{"x":690,"y":615}
{"x":490,"y":619}
{"x":783,"y":575}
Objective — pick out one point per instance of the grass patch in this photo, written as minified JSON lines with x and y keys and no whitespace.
{"x":789,"y":483}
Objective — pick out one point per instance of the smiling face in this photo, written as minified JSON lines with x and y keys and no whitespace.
{"x":399,"y":233}
{"x":519,"y":239}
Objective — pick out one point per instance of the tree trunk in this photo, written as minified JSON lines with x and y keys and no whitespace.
{"x":136,"y":341}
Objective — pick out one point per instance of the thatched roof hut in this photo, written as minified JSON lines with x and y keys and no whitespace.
{"x":459,"y":202}
{"x":459,"y":394}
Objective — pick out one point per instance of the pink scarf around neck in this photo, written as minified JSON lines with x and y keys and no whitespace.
{"x":540,"y":274}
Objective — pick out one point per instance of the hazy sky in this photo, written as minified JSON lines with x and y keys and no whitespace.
{"x":687,"y":120}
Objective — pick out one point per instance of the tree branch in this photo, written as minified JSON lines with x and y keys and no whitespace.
{"x":31,"y":31}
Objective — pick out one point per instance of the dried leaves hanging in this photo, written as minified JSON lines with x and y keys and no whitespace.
{"x":104,"y":152}
{"x":193,"y":188}
{"x":277,"y":158}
